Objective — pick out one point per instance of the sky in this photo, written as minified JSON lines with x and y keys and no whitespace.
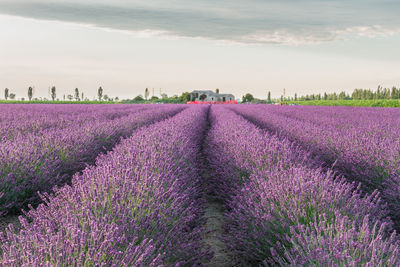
{"x":238,"y":46}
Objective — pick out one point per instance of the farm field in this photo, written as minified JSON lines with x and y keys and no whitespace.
{"x":192,"y":185}
{"x":350,"y":102}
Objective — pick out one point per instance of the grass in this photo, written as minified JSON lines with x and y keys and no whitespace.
{"x":54,"y":102}
{"x":89,"y":102}
{"x":354,"y":103}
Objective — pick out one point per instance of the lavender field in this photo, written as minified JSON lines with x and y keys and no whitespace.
{"x":199,"y":185}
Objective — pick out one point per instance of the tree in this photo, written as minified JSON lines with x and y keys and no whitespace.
{"x":53,"y":93}
{"x":138,"y":98}
{"x":379,"y":92}
{"x":82,"y":96}
{"x":376,"y":95}
{"x":295,"y":96}
{"x":185,"y":97}
{"x":106,"y":97}
{"x":364,"y":94}
{"x":153,"y":98}
{"x":217,"y":91}
{"x":30,"y":93}
{"x":100,"y":93}
{"x":269,"y":97}
{"x":70,"y":97}
{"x":164,"y":96}
{"x":77,"y":94}
{"x":395,"y":93}
{"x":12,"y":96}
{"x":342,"y":95}
{"x":117,"y":98}
{"x":247,"y":98}
{"x":6,"y":93}
{"x":146,"y":93}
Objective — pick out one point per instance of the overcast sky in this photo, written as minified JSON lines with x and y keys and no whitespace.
{"x":239,"y":46}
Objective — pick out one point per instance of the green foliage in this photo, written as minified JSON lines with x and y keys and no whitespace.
{"x":185,"y":97}
{"x":139,"y":98}
{"x":53,"y":102}
{"x":247,"y":98}
{"x":269,"y":97}
{"x":350,"y":102}
{"x":6,"y":93}
{"x":30,"y":93}
{"x":77,"y":94}
{"x":100,"y":93}
{"x":175,"y":99}
{"x":357,"y":94}
{"x":53,"y":93}
{"x":259,"y":101}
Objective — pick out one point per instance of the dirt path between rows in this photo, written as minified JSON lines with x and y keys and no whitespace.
{"x":214,"y":215}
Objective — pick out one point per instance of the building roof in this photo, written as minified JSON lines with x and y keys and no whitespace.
{"x":209,"y":92}
{"x":203,"y":91}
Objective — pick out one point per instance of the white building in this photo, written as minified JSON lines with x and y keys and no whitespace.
{"x":208,"y":95}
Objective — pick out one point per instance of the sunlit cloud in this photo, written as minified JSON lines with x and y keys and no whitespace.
{"x":227,"y":21}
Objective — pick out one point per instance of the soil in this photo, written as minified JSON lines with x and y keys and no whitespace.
{"x":7,"y":220}
{"x":214,"y":214}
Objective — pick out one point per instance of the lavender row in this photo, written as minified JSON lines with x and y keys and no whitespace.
{"x":363,"y":145}
{"x":33,"y":162}
{"x":283,"y":209}
{"x":141,"y":205}
{"x":342,"y":117}
{"x":17,"y":120}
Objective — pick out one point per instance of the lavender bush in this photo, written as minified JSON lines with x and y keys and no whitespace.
{"x":363,"y":144}
{"x":36,"y":162}
{"x":22,"y":119}
{"x":140,"y":206}
{"x":143,"y":203}
{"x":283,"y":209}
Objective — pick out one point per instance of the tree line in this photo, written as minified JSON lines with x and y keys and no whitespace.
{"x":357,"y":94}
{"x":77,"y":96}
{"x":164,"y":98}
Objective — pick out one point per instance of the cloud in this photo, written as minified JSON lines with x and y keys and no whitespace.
{"x":292,"y":22}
